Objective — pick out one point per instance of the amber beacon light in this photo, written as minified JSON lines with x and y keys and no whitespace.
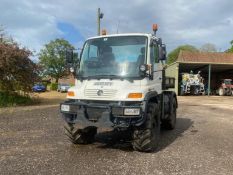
{"x":104,"y":32}
{"x":155,"y":27}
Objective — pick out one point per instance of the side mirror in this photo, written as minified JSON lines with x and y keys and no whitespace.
{"x":162,"y":52}
{"x":72,"y":61}
{"x":69,"y":56}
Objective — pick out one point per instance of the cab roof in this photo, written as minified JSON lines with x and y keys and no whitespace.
{"x":124,"y":34}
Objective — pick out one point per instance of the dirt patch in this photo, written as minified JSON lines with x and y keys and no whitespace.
{"x":51,"y":97}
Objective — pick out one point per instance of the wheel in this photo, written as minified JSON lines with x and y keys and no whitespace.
{"x":228,"y":92}
{"x":146,"y":137}
{"x":81,"y":136}
{"x":170,"y":122}
{"x":221,"y":91}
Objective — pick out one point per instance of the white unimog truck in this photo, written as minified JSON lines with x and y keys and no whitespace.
{"x":120,"y":83}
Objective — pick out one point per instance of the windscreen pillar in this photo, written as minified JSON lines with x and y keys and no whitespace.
{"x":209,"y":79}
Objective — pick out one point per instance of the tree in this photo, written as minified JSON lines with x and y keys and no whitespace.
{"x":173,"y":55}
{"x":4,"y":38}
{"x":17,"y":71}
{"x":52,"y":58}
{"x":230,"y":50}
{"x":208,"y":47}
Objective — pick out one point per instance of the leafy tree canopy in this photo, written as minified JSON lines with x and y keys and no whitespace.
{"x":52,"y":58}
{"x":208,"y":47}
{"x":4,"y":38}
{"x":17,"y":71}
{"x":230,"y":50}
{"x":173,"y":55}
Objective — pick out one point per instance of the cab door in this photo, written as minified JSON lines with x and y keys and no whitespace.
{"x":156,"y":80}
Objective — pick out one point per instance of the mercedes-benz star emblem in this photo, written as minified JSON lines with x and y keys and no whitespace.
{"x":100,"y":92}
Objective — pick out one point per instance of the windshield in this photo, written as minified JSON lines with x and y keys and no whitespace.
{"x":118,"y":56}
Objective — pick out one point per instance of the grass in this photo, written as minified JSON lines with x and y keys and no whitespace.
{"x":9,"y":99}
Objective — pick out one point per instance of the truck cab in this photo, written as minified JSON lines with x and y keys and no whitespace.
{"x":120,"y":84}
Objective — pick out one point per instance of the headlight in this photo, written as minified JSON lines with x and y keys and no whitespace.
{"x":65,"y":108}
{"x":132,"y":111}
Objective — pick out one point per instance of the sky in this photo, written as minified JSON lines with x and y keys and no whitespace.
{"x":35,"y":23}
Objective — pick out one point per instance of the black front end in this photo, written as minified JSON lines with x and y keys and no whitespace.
{"x":103,"y":113}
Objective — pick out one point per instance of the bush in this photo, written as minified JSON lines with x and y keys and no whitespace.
{"x":17,"y":71}
{"x":54,"y":86}
{"x":7,"y":99}
{"x":48,"y":87}
{"x":44,"y":83}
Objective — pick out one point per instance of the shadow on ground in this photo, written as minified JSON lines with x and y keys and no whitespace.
{"x":121,"y":140}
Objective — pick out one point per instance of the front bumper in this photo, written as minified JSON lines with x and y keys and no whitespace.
{"x":108,"y":114}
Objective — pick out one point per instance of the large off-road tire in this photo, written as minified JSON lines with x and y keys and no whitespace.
{"x":81,"y":136}
{"x":146,"y":137}
{"x":170,"y":122}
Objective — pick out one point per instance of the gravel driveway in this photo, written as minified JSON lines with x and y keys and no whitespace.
{"x":32,"y":141}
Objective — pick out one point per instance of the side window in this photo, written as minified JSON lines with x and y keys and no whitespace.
{"x":154,"y":54}
{"x":93,"y":51}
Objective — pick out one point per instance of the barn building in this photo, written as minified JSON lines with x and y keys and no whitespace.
{"x":213,"y":66}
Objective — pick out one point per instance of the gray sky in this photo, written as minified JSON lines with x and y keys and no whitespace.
{"x":33,"y":23}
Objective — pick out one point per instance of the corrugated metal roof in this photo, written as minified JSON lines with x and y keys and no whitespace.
{"x":205,"y":57}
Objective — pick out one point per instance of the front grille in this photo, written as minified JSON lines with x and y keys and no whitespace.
{"x":94,"y":114}
{"x":93,"y":93}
